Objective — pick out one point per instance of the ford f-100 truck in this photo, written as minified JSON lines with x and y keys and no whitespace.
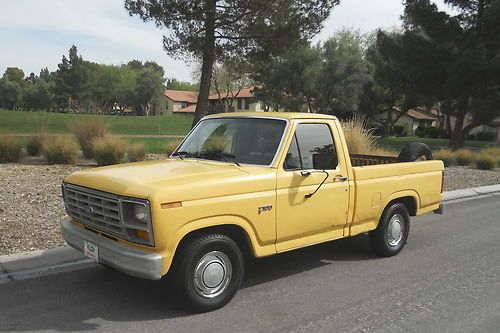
{"x":240,"y":184}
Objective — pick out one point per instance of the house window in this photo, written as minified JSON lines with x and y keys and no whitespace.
{"x":247,"y":103}
{"x":184,"y":105}
{"x":239,"y":104}
{"x":166,"y":105}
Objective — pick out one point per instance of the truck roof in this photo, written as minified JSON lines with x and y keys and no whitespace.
{"x":282,"y":115}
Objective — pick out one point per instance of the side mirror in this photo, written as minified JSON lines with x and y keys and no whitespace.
{"x":324,"y":161}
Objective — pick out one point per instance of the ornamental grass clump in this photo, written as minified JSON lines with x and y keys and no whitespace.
{"x":360,"y":139}
{"x":87,"y":130}
{"x":445,"y":155}
{"x":60,"y":149}
{"x":171,"y":145}
{"x":10,"y":149}
{"x":136,"y":152}
{"x":35,"y":144}
{"x":485,"y":161}
{"x":493,"y":152}
{"x":109,"y":150}
{"x":465,"y":157}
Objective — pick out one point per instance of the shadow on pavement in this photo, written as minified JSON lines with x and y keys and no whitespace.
{"x":72,"y":301}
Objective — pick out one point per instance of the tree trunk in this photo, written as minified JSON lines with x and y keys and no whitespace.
{"x":208,"y":62}
{"x":457,"y":139}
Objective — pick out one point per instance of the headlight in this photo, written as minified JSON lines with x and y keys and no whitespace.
{"x":136,"y":218}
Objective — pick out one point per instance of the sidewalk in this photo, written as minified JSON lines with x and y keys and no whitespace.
{"x":63,"y":259}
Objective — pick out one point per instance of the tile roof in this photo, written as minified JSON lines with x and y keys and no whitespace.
{"x":243,"y":93}
{"x":182,"y":95}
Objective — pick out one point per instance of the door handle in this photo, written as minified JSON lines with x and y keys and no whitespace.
{"x":340,"y":179}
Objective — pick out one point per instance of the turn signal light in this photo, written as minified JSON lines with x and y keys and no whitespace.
{"x":142,"y":234}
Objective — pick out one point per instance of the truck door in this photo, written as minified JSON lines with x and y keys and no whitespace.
{"x":311,"y":164}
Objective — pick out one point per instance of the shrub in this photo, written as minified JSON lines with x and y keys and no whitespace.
{"x":433,"y":132}
{"x":35,"y":143}
{"x":493,"y":152}
{"x":87,"y":131}
{"x":171,"y":145}
{"x":10,"y":149}
{"x":399,"y":130}
{"x":445,"y":155}
{"x":486,"y":161}
{"x":464,"y":157}
{"x":485,"y":136}
{"x":108,"y":150}
{"x":59,"y":150}
{"x":421,"y":131}
{"x":136,"y":152}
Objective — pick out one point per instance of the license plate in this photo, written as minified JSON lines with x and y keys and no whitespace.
{"x":91,"y":250}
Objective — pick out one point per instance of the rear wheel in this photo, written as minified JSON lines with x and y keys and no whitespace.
{"x":392,"y":232}
{"x":209,"y":272}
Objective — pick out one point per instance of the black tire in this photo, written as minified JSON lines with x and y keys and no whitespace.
{"x":211,"y":255}
{"x":387,"y":240}
{"x":415,"y":151}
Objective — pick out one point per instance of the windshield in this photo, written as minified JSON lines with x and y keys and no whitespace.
{"x":237,"y":140}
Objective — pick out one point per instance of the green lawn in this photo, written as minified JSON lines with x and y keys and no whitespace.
{"x":31,"y":122}
{"x":398,"y":143}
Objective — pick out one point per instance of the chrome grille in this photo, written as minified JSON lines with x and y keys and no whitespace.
{"x":96,"y":209}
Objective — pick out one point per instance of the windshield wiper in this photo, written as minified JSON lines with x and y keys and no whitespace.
{"x":181,"y":154}
{"x":224,"y":156}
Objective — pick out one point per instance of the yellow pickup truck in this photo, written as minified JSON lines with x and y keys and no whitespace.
{"x":240,"y":184}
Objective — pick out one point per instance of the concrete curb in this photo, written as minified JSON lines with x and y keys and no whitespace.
{"x":63,"y":259}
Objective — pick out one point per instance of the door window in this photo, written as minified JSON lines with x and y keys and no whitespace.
{"x":312,"y":147}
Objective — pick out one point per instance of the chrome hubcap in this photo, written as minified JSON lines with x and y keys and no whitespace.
{"x":395,"y":230}
{"x":212,"y":274}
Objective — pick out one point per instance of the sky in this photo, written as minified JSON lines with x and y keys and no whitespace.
{"x":35,"y":34}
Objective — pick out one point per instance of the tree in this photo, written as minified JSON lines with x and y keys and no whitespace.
{"x":467,"y":81}
{"x":174,"y":84}
{"x":327,"y":78}
{"x":39,"y":95}
{"x":228,"y":79}
{"x":214,"y":29}
{"x":149,"y":85}
{"x":14,"y":74}
{"x":72,"y":81}
{"x":10,"y":93}
{"x":393,"y":84}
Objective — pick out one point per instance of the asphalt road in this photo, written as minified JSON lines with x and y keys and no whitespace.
{"x":445,"y":280}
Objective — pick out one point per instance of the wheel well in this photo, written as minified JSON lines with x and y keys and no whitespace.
{"x":236,"y":233}
{"x":409,"y":202}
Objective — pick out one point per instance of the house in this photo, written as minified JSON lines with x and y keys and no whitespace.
{"x":415,"y":117}
{"x":235,"y":101}
{"x":178,"y":102}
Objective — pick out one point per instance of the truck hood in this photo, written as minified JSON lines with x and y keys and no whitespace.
{"x":174,"y":179}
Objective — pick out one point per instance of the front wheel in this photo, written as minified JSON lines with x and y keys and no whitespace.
{"x":210,"y":272}
{"x":392,"y":232}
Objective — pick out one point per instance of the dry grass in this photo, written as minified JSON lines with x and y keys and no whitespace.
{"x":86,"y":131}
{"x":109,"y":150}
{"x":360,"y":139}
{"x":10,"y":149}
{"x":446,"y":155}
{"x":485,"y":161}
{"x":464,"y":157}
{"x":493,"y":152}
{"x":35,"y":144}
{"x":136,"y":152}
{"x":171,"y":145}
{"x":60,"y":149}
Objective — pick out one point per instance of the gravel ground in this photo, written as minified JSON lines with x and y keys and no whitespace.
{"x":31,"y":206}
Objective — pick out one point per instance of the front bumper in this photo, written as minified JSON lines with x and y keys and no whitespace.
{"x":126,"y":259}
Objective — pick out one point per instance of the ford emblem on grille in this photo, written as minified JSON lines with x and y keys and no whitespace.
{"x":89,"y":210}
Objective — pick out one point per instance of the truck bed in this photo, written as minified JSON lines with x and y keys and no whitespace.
{"x":363,"y":159}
